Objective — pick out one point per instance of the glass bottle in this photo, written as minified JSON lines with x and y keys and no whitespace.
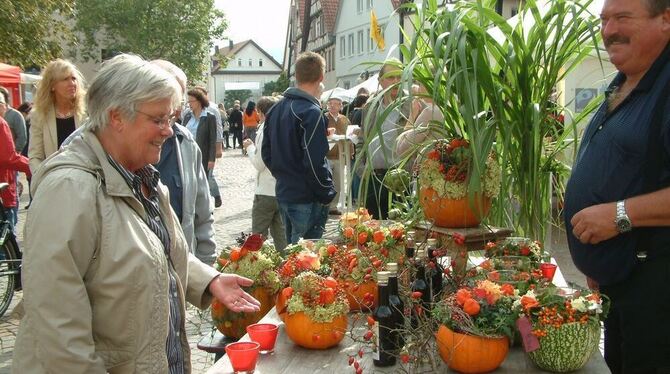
{"x":420,"y":285}
{"x":434,"y":271}
{"x":385,"y":352}
{"x":410,"y":244}
{"x":397,"y":305}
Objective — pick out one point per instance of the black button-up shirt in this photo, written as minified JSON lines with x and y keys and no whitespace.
{"x":610,"y":167}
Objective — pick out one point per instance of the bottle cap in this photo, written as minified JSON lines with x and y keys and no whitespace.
{"x":411,"y":234}
{"x":392,"y":267}
{"x":432,"y":243}
{"x":383,"y":277}
{"x":420,"y":254}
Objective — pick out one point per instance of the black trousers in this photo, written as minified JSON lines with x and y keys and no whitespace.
{"x":237,"y":136}
{"x":637,"y":331}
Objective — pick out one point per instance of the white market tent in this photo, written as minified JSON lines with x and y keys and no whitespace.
{"x":371,"y":84}
{"x":338,"y":93}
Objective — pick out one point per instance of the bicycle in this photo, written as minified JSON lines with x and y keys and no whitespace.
{"x":10,"y":260}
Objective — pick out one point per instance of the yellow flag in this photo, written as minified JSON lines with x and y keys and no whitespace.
{"x":376,"y":31}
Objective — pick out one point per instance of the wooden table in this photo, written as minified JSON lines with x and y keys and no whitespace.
{"x":289,"y":358}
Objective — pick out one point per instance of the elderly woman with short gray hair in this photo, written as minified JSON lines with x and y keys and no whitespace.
{"x":106,"y":268}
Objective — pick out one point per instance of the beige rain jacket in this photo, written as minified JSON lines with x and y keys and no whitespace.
{"x":94,"y":274}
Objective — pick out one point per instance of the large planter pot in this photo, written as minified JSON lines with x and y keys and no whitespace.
{"x":454,"y":213}
{"x":233,"y":324}
{"x":303,"y":331}
{"x":471,"y":354}
{"x":356,"y":294}
{"x":567,"y":348}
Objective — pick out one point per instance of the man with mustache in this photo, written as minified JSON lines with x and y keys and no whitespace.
{"x":617,"y":202}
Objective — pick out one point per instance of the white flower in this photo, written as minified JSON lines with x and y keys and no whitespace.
{"x":579,"y":304}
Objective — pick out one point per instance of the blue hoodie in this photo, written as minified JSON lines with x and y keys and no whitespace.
{"x":294,"y":149}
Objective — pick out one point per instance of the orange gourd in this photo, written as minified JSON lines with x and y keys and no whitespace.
{"x":471,"y":354}
{"x":303,"y":331}
{"x":281,"y":305}
{"x":453,"y":213}
{"x":356,"y":294}
{"x":233,"y":324}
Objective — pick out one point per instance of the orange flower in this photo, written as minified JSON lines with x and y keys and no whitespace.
{"x":462,"y":295}
{"x":486,"y":265}
{"x":528,"y":302}
{"x":235,"y":255}
{"x":378,"y":237}
{"x":434,"y":154}
{"x":494,"y":276}
{"x":471,"y":307}
{"x":362,"y":237}
{"x":507,"y":289}
{"x":348,"y":232}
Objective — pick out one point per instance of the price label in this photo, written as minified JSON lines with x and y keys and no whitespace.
{"x":530,"y":341}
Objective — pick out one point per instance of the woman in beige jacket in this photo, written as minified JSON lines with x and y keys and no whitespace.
{"x":58,"y":110}
{"x":106,"y":268}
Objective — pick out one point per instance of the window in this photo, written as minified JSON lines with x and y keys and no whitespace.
{"x":351,"y":44}
{"x":251,"y":63}
{"x":260,"y":62}
{"x":370,"y":4}
{"x":319,"y":26}
{"x":347,"y":85}
{"x":515,"y":11}
{"x":343,"y":47}
{"x":367,"y":31}
{"x":360,"y":6}
{"x":361,"y":42}
{"x":239,"y":62}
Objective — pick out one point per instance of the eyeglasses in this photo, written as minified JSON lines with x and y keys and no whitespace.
{"x":160,"y":122}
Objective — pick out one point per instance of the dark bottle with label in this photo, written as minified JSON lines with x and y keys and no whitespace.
{"x":420,"y":285}
{"x":410,"y":244}
{"x":397,"y":306}
{"x":434,"y":271}
{"x":385,"y":352}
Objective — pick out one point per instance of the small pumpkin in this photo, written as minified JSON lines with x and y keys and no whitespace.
{"x":453,"y":213}
{"x":303,"y":331}
{"x":233,"y":324}
{"x":282,"y":302}
{"x":356,"y":294}
{"x":471,"y":354}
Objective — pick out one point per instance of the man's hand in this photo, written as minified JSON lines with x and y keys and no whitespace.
{"x":227,"y":288}
{"x":595,"y":224}
{"x":247,"y":142}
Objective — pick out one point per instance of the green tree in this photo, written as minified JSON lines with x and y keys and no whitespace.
{"x":32,"y":30}
{"x":175,"y":30}
{"x":232,"y":95}
{"x":279,"y":86}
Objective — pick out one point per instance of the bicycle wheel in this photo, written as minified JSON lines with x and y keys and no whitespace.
{"x":8,"y":273}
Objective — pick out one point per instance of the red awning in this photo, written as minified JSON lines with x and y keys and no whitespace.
{"x":10,"y":74}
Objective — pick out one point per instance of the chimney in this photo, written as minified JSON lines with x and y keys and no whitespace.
{"x":230,"y":44}
{"x":216,"y":50}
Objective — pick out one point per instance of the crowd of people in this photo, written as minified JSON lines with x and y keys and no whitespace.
{"x":119,"y":234}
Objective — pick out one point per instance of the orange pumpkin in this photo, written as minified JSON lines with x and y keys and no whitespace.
{"x":471,"y":354}
{"x":303,"y":331}
{"x":356,"y":294}
{"x":452,"y":213}
{"x":281,"y":305}
{"x":233,"y":324}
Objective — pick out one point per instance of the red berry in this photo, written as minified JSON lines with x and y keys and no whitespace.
{"x":368,"y":335}
{"x":351,"y":360}
{"x":356,"y":365}
{"x":360,"y":353}
{"x":404,"y":358}
{"x":416,"y":294}
{"x":359,"y":371}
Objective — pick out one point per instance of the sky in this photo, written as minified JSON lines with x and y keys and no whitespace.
{"x":264,"y":21}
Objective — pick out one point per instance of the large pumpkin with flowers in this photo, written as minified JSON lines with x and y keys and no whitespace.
{"x":444,"y":176}
{"x":254,"y":260}
{"x":316,"y":311}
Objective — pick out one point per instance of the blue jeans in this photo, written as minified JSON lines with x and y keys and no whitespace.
{"x":213,"y":186}
{"x":306,"y":221}
{"x":12,"y":216}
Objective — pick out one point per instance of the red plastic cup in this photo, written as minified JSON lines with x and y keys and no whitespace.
{"x":548,"y":271}
{"x":243,"y":356}
{"x":264,"y":334}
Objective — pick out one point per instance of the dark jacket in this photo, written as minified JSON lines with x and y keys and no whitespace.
{"x":235,"y":120}
{"x":205,"y":137}
{"x":294,"y":149}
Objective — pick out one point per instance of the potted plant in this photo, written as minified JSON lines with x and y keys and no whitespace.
{"x":369,"y":246}
{"x":255,"y":260}
{"x":476,"y":326}
{"x":565,"y":324}
{"x":443,"y":184}
{"x":317,"y":310}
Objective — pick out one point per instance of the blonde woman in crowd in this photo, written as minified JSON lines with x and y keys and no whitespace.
{"x":58,"y":110}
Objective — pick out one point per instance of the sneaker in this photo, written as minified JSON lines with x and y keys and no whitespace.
{"x":217,"y":201}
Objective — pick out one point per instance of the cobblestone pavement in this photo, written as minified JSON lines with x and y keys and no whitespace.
{"x":236,"y":180}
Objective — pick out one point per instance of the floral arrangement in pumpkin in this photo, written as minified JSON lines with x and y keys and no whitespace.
{"x":552,"y":307}
{"x":525,"y":247}
{"x":484,"y":310}
{"x":351,"y":219}
{"x":320,"y":298}
{"x":255,"y":260}
{"x":304,"y":256}
{"x":446,"y":169}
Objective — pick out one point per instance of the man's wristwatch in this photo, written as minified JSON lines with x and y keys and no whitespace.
{"x":622,"y":221}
